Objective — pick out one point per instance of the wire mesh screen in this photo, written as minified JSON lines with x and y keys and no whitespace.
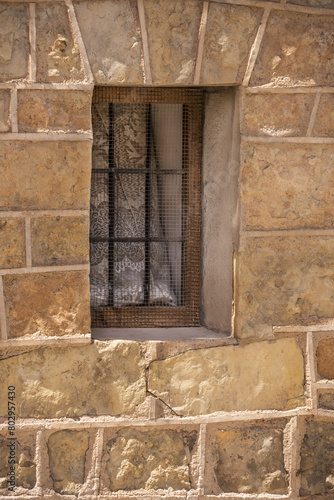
{"x":145,"y":244}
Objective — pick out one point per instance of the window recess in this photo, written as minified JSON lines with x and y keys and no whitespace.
{"x":145,"y":231}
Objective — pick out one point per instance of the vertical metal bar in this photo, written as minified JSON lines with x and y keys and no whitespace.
{"x":111,"y":188}
{"x":147,"y":208}
{"x":184,"y":197}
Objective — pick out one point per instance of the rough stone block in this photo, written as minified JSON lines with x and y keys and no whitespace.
{"x":58,"y":58}
{"x":12,"y":243}
{"x":155,"y":459}
{"x":250,"y":460}
{"x":283,"y":281}
{"x":44,"y":175}
{"x":4,"y":108}
{"x":49,"y":110}
{"x":103,"y":378}
{"x":49,"y":304}
{"x":231,"y":378}
{"x":287,"y":186}
{"x":59,"y":240}
{"x":296,"y":51}
{"x":25,"y":467}
{"x":327,"y":4}
{"x":172,"y":29}
{"x":120,"y":60}
{"x":326,"y":400}
{"x":324,"y":123}
{"x":317,"y":459}
{"x":230,"y":33}
{"x":13,"y":41}
{"x":67,"y":457}
{"x":276,"y":114}
{"x":325,"y":358}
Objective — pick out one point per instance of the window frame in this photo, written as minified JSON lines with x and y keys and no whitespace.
{"x":188,"y":314}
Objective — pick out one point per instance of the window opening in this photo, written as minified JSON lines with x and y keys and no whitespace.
{"x":145,"y":242}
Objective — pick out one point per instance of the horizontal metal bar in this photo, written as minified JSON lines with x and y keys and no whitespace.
{"x":100,"y":239}
{"x":137,"y":171}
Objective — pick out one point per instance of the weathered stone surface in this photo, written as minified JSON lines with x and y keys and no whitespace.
{"x":285,"y":186}
{"x":283,"y":281}
{"x":58,"y":58}
{"x":172,"y":29}
{"x":120,"y":60}
{"x":48,"y":304}
{"x":296,"y":50}
{"x":326,"y":400}
{"x":25,"y":467}
{"x":317,"y":459}
{"x":67,"y":457}
{"x":103,"y":378}
{"x":231,"y":378}
{"x":328,"y":4}
{"x":59,"y":240}
{"x":324,"y":123}
{"x":12,"y":243}
{"x":221,"y":166}
{"x":230,"y":33}
{"x":250,"y":460}
{"x":4,"y":109}
{"x":151,"y":460}
{"x":276,"y":114}
{"x":325,"y":358}
{"x":50,"y":110}
{"x":44,"y":175}
{"x":13,"y":41}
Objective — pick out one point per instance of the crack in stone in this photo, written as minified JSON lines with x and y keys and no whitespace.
{"x":149,"y":393}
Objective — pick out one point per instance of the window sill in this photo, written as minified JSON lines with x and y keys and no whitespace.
{"x":162,"y":334}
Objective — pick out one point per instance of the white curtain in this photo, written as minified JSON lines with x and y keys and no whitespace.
{"x":129,"y":151}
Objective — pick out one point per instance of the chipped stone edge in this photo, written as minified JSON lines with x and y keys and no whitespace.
{"x":201,"y":39}
{"x":254,"y":52}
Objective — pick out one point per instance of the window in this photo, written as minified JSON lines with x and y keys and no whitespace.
{"x":145,"y":238}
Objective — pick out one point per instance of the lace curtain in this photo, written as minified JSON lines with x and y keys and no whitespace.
{"x":126,"y":151}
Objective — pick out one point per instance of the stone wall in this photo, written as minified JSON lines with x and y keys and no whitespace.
{"x":245,"y":416}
